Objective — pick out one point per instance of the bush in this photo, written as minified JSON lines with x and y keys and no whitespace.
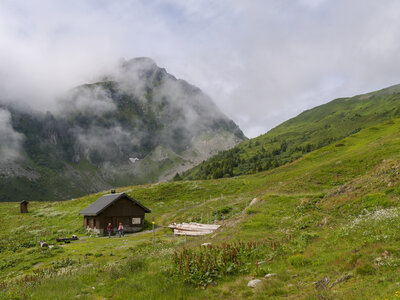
{"x":298,"y":260}
{"x":307,"y":237}
{"x":372,"y":201}
{"x":203,"y":266}
{"x":251,"y":211}
{"x":134,"y":264}
{"x":366,"y":269}
{"x":65,"y":262}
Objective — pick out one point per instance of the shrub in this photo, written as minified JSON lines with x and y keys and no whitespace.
{"x":366,"y":269}
{"x":251,"y":211}
{"x":203,"y":266}
{"x":134,"y":264}
{"x":65,"y":262}
{"x":307,"y":237}
{"x":298,"y":260}
{"x":372,"y":201}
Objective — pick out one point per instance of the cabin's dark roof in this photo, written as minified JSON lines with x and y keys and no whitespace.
{"x":24,"y":201}
{"x":105,"y":201}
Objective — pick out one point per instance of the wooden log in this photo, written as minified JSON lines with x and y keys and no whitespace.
{"x":191,"y":233}
{"x":65,"y":239}
{"x":194,"y":226}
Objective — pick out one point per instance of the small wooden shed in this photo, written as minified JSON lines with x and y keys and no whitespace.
{"x":114,"y":208}
{"x":23,"y":206}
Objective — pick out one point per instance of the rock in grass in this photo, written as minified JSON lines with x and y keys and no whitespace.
{"x":270,"y":275}
{"x":322,"y":284}
{"x":253,"y":283}
{"x":342,"y":279}
{"x":323,"y":222}
{"x":43,"y":244}
{"x":206,"y":244}
{"x":254,"y":201}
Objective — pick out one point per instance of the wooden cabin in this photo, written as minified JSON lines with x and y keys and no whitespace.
{"x":114,"y":208}
{"x":23,"y":205}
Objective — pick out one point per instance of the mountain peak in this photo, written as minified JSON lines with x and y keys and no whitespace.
{"x":140,"y":63}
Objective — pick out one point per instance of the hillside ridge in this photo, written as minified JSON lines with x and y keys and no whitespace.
{"x":310,"y":130}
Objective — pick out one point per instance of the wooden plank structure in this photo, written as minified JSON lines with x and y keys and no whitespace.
{"x":66,"y":239}
{"x":193,"y":229}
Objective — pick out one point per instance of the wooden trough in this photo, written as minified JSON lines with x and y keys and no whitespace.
{"x":193,"y":229}
{"x":66,"y":239}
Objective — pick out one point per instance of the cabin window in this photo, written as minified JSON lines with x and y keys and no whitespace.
{"x":136,"y":221}
{"x":94,"y":223}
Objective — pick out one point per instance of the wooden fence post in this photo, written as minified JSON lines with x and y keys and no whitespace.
{"x":154,"y":242}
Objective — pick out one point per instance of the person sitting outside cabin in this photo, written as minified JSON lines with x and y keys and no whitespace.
{"x":109,"y":229}
{"x":121,"y":229}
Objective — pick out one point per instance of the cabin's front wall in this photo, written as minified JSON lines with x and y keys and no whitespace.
{"x":123,"y":210}
{"x":24,"y":208}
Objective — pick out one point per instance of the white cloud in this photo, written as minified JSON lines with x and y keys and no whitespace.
{"x":261,"y":61}
{"x":87,"y":99}
{"x":10,"y":140}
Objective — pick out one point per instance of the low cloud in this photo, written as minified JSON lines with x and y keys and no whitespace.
{"x":10,"y":140}
{"x":94,"y":100}
{"x":99,"y":144}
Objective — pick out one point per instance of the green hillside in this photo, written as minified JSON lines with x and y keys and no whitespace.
{"x":310,"y":130}
{"x":326,"y":226}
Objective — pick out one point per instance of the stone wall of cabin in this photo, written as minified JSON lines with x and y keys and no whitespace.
{"x":93,"y":224}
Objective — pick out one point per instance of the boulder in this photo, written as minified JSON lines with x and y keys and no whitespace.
{"x":342,"y":279}
{"x":322,"y":284}
{"x":43,"y":244}
{"x":254,"y":201}
{"x":270,"y":275}
{"x":323,"y":222}
{"x":253,"y":283}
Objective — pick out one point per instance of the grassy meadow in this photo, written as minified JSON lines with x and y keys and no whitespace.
{"x":326,"y":226}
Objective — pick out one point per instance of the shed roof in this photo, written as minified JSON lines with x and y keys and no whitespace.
{"x":105,"y":201}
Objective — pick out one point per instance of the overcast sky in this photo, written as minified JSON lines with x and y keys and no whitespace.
{"x":262,"y":62}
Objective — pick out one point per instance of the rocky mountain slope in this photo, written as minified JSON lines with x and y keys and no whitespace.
{"x":137,"y":125}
